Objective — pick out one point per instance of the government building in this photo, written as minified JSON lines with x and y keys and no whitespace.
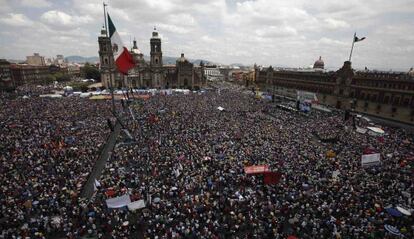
{"x":149,"y":75}
{"x":387,"y":95}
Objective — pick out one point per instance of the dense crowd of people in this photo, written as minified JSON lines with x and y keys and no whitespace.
{"x":48,"y":148}
{"x":188,"y":165}
{"x":186,"y":161}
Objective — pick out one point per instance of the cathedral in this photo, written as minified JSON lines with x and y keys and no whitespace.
{"x":149,"y":75}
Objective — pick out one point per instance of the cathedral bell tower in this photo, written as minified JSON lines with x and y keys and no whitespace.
{"x":106,"y":59}
{"x":156,"y":53}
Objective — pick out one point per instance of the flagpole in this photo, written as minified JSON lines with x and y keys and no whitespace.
{"x":352,"y":48}
{"x":111,"y":85}
{"x":106,"y":26}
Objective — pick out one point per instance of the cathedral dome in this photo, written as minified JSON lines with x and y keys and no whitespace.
{"x":182,"y":58}
{"x":135,"y":49}
{"x":319,"y":64}
{"x":411,"y":72}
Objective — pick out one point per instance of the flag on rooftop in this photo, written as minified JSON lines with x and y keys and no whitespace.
{"x":123,"y":59}
{"x":356,"y":39}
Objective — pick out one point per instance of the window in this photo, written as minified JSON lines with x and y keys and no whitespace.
{"x":406,"y":102}
{"x":396,"y":100}
{"x":386,"y":99}
{"x":394,"y":110}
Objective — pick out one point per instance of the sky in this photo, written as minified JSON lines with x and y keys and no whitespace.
{"x":289,"y":33}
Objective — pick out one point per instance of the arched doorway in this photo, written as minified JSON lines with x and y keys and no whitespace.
{"x":185,"y":83}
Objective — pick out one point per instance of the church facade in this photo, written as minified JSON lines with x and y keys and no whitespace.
{"x":149,"y":75}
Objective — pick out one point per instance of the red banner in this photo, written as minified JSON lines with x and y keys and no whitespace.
{"x":272,"y":178}
{"x":257,"y":169}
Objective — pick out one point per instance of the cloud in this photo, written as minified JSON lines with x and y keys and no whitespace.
{"x":61,"y":19}
{"x":35,"y":3}
{"x":16,"y":20}
{"x":208,"y":39}
{"x":225,"y":31}
{"x":276,"y":31}
{"x":334,"y":24}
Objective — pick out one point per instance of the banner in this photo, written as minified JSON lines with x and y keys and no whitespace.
{"x":361,"y":130}
{"x":118,"y":202}
{"x":136,"y":205}
{"x":368,"y":160}
{"x":257,"y":169}
{"x":272,"y":178}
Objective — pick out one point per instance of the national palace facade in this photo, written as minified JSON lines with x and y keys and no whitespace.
{"x":384,"y":94}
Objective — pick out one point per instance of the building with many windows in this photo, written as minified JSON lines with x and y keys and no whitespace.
{"x":29,"y":74}
{"x":6,"y":80}
{"x":152,"y":74}
{"x":35,"y":60}
{"x":384,"y":94}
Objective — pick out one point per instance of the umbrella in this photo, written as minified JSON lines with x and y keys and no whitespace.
{"x":157,"y":200}
{"x":392,"y":230}
{"x":394,"y":212}
{"x":404,"y":211}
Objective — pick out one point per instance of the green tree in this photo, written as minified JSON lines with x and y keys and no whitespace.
{"x":89,"y":71}
{"x":59,"y":76}
{"x":49,"y":79}
{"x":80,"y":86}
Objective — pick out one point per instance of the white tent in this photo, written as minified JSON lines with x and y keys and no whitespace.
{"x":220,"y":108}
{"x":50,"y":96}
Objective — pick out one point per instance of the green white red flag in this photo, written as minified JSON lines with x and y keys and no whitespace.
{"x":123,"y":59}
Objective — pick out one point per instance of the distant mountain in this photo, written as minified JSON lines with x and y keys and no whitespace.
{"x":167,"y":60}
{"x":238,"y":64}
{"x":82,"y":59}
{"x":170,"y":60}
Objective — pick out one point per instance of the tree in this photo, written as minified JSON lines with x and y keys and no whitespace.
{"x":79,"y":86}
{"x":89,"y":71}
{"x":49,"y":79}
{"x":59,"y":76}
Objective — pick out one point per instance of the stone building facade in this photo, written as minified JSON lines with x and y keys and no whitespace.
{"x":152,"y":74}
{"x":36,"y":60}
{"x":6,"y":81}
{"x":388,"y":95}
{"x":29,"y":74}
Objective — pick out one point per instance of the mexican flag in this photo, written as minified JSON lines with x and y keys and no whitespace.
{"x":123,"y":59}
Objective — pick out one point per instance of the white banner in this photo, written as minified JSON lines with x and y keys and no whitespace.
{"x":118,"y":202}
{"x":370,"y":159}
{"x":361,"y":130}
{"x":136,"y":205}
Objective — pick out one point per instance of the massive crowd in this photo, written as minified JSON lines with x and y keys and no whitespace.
{"x":48,"y":148}
{"x":187,"y":162}
{"x":191,"y":159}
